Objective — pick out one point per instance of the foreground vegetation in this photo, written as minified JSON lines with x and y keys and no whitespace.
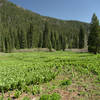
{"x":42,"y":73}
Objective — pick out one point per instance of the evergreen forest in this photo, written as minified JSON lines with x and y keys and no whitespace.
{"x":21,"y":28}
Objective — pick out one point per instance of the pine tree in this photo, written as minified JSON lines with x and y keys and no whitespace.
{"x":30,"y":36}
{"x":40,"y":40}
{"x":94,"y":36}
{"x":81,"y":37}
{"x":23,"y":41}
{"x":52,"y":40}
{"x":48,"y":41}
{"x":46,"y":35}
{"x":64,"y":42}
{"x":49,"y":45}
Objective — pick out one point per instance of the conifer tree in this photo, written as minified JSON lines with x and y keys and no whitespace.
{"x":64,"y":42}
{"x":52,"y":40}
{"x":81,"y":37}
{"x":94,"y":36}
{"x":46,"y":35}
{"x":23,"y":41}
{"x":40,"y":44}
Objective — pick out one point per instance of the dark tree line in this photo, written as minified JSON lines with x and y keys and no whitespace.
{"x":20,"y":28}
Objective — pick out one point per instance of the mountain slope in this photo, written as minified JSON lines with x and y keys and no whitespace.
{"x":21,"y":28}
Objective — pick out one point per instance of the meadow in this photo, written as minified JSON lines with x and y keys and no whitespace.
{"x":73,"y":76}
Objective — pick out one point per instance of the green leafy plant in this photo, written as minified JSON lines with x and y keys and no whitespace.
{"x":9,"y":98}
{"x":45,"y":97}
{"x":17,"y":93}
{"x":66,"y":82}
{"x":36,"y":89}
{"x":26,"y":98}
{"x":1,"y":98}
{"x":26,"y":89}
{"x":54,"y":96}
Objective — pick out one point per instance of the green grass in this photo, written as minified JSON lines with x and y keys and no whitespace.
{"x":20,"y":70}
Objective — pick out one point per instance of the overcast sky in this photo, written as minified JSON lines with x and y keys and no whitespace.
{"x":81,"y":10}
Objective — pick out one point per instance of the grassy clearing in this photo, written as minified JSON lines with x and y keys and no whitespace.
{"x":74,"y":76}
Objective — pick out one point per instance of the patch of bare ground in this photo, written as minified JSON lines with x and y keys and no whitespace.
{"x":65,"y":94}
{"x":6,"y":96}
{"x":33,"y":50}
{"x":47,"y":50}
{"x":77,"y":50}
{"x":82,"y":88}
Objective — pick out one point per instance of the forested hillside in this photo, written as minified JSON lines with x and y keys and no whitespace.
{"x":21,"y":28}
